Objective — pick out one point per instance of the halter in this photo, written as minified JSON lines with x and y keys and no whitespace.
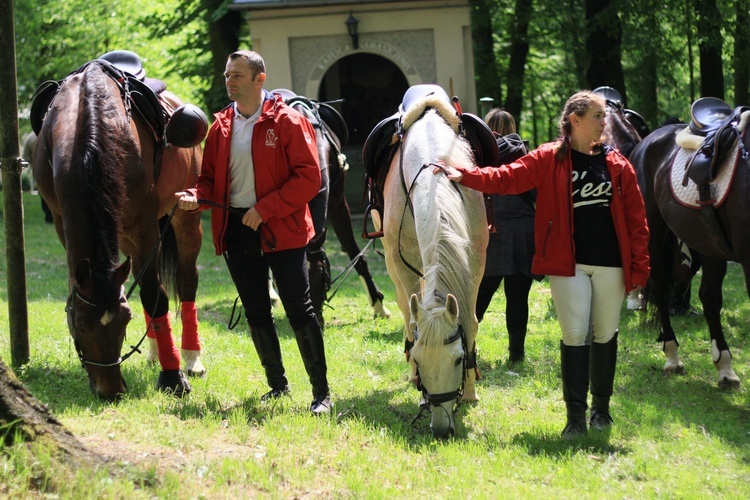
{"x":75,"y":293}
{"x":434,"y":400}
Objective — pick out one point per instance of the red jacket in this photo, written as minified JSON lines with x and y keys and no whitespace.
{"x":553,"y":224}
{"x":287,"y":174}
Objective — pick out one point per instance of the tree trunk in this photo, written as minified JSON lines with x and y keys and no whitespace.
{"x":742,"y":54}
{"x":709,"y":47}
{"x":23,"y":418}
{"x":224,"y":38}
{"x":519,"y":51}
{"x":604,"y":45}
{"x":488,"y":82}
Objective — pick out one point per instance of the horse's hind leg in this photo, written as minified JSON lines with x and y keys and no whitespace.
{"x":712,"y":298}
{"x":340,"y":218}
{"x":189,"y":235}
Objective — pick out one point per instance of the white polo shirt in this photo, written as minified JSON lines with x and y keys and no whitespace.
{"x":241,"y":168}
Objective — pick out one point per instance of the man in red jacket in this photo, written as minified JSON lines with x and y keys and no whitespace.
{"x":261,"y":162}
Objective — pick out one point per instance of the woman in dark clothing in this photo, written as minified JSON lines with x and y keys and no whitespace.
{"x":511,"y":247}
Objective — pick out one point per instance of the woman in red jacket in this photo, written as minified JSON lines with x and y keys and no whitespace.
{"x":591,"y":240}
{"x":261,"y":160}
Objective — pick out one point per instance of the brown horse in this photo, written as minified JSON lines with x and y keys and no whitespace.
{"x":94,"y":164}
{"x":719,"y":234}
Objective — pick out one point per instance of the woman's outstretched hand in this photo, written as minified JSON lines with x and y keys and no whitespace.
{"x":450,"y":172}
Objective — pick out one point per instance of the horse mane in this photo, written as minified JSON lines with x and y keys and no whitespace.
{"x":98,"y":152}
{"x":620,"y":133}
{"x":444,"y":239}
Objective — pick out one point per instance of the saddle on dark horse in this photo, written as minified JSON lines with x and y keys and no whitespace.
{"x":384,"y":140}
{"x":184,"y":127}
{"x":718,"y":122}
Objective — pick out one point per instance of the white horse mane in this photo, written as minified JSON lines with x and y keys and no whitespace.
{"x":443,"y":229}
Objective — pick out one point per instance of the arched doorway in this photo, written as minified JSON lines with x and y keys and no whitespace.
{"x":371,"y":87}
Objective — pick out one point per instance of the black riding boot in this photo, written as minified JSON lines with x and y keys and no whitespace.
{"x":574,"y":366}
{"x":310,"y":342}
{"x":516,"y":341}
{"x":267,"y":346}
{"x":603,"y":364}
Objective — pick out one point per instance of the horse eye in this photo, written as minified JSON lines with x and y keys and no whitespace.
{"x":459,"y":360}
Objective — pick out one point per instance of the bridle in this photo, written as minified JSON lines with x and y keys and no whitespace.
{"x":75,"y":294}
{"x":431,"y":400}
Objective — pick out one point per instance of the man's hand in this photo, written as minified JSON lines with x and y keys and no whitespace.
{"x":252,"y":219}
{"x":450,"y":172}
{"x":186,"y":200}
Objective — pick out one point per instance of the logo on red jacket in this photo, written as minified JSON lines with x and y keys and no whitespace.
{"x":308,"y":139}
{"x":271,"y":138}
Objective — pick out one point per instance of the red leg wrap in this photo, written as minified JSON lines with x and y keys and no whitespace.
{"x":169,"y":355}
{"x":190,"y":339}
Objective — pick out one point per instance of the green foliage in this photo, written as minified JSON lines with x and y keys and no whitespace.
{"x":673,"y":437}
{"x":55,"y":38}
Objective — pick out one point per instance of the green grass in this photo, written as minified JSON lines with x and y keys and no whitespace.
{"x":673,"y":436}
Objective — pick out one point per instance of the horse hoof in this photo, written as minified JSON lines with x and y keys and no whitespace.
{"x":380,"y":311}
{"x":193,"y":365}
{"x":728,"y":380}
{"x":674,"y":370}
{"x":173,"y":381}
{"x":152,"y":357}
{"x":673,"y":366}
{"x":728,"y":384}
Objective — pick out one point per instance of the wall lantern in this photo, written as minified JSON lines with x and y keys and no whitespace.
{"x":351,"y":26}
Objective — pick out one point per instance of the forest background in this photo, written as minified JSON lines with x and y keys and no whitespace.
{"x":530,"y":55}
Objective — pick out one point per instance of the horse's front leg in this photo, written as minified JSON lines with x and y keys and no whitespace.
{"x":155,"y":302}
{"x":712,"y":298}
{"x":188,"y":239}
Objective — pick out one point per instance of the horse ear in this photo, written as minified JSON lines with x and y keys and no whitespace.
{"x":122,"y":272}
{"x":83,"y":272}
{"x":415,"y":307}
{"x":451,"y":307}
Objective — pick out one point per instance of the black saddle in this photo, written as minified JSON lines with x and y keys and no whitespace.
{"x":708,"y":114}
{"x":383,"y":141}
{"x":717,"y":121}
{"x":610,"y":95}
{"x":322,"y":111}
{"x":638,"y":122}
{"x":136,"y":92}
{"x":129,"y":62}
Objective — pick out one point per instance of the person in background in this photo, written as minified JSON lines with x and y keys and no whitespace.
{"x":591,"y":241}
{"x":511,"y":246}
{"x":260,"y":159}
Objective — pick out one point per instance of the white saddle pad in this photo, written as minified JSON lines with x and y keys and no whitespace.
{"x":688,"y":195}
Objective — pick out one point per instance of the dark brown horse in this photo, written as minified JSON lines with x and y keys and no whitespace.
{"x":727,"y":238}
{"x":94,"y":164}
{"x":330,"y":204}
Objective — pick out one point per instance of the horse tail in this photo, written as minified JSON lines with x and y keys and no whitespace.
{"x":169,"y":257}
{"x":99,"y":152}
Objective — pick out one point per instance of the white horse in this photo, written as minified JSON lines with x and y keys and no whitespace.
{"x":438,"y":229}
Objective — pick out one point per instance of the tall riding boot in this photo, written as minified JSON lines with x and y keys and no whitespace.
{"x":574,"y":366}
{"x":516,"y":341}
{"x":267,"y":346}
{"x":310,"y":343}
{"x":603,"y":364}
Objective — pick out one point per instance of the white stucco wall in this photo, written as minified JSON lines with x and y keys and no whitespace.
{"x":381,"y":28}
